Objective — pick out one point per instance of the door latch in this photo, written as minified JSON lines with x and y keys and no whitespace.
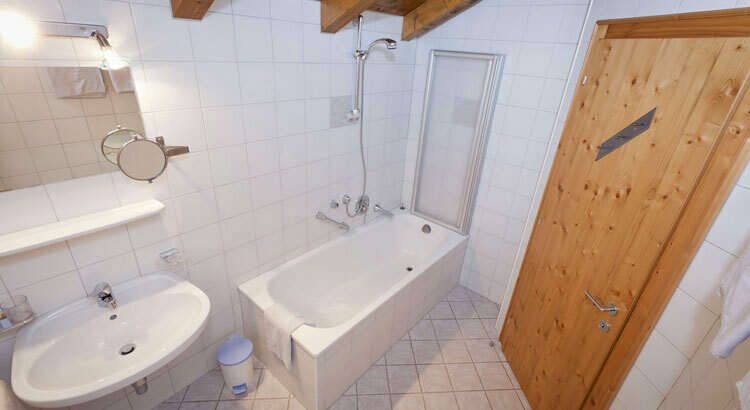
{"x":603,"y":326}
{"x":611,"y":308}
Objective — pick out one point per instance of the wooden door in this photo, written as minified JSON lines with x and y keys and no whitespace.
{"x":603,"y":224}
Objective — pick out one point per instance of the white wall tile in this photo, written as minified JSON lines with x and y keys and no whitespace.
{"x":99,"y":246}
{"x":253,"y":39}
{"x":731,"y":229}
{"x":161,"y":37}
{"x":213,"y":37}
{"x":114,"y":270}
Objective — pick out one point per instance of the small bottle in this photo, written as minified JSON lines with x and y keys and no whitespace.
{"x":4,"y":320}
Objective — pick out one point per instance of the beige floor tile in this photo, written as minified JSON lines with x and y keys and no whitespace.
{"x":434,"y":378}
{"x":464,"y":310}
{"x":472,"y":400}
{"x":486,"y":310}
{"x":269,"y":387}
{"x":235,"y":405}
{"x":442,"y":311}
{"x":482,"y":350}
{"x":423,"y":330}
{"x":472,"y":329}
{"x":352,"y":390}
{"x":426,"y":351}
{"x":345,"y":403}
{"x":457,"y":294}
{"x":493,"y":376}
{"x":373,"y":402}
{"x":177,"y":397}
{"x":463,"y":377}
{"x":270,"y":404}
{"x":374,"y":381}
{"x":403,"y":379}
{"x":440,"y":401}
{"x":294,"y":404}
{"x":400,"y":353}
{"x":446,"y":329}
{"x":504,"y":400}
{"x":489,"y":328}
{"x":165,"y":406}
{"x":454,"y":351}
{"x":407,"y":402}
{"x":511,"y":375}
{"x":206,"y":388}
{"x":198,"y":405}
{"x":476,"y":297}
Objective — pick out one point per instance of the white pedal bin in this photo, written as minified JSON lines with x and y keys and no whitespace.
{"x":236,"y":364}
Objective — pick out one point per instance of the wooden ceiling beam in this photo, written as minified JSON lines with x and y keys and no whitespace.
{"x":335,"y":14}
{"x":430,"y":14}
{"x":397,"y":7}
{"x":190,"y":9}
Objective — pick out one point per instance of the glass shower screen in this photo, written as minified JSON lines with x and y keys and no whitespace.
{"x":459,"y":101}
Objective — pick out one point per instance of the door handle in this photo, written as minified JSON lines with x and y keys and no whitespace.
{"x":611,"y":308}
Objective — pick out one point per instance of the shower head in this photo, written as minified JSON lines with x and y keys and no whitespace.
{"x":390,"y":44}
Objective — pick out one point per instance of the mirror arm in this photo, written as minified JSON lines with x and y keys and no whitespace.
{"x":172,"y":150}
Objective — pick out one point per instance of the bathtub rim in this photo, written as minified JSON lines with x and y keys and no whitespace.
{"x":315,"y":340}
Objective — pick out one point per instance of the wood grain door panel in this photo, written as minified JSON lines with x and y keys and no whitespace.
{"x":603,"y":224}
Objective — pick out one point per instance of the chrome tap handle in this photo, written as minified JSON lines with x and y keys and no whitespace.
{"x":103,"y":290}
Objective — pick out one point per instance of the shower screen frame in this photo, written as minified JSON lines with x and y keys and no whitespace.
{"x":484,"y":120}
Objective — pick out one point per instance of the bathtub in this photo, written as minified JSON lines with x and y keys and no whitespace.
{"x":358,"y":294}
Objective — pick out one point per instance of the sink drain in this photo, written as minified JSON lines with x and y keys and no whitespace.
{"x":127,"y":349}
{"x":409,"y":268}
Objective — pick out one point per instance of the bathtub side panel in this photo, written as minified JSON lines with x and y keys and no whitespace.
{"x":302,"y":378}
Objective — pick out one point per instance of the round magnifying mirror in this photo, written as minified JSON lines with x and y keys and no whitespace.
{"x":115,"y":140}
{"x":142,"y":159}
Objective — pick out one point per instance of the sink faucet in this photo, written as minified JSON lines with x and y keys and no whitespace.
{"x":378,"y":208}
{"x":103,"y":295}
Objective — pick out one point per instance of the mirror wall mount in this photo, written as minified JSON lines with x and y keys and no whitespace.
{"x":136,"y":156}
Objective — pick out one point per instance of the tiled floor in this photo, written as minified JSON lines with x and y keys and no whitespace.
{"x":448,"y":361}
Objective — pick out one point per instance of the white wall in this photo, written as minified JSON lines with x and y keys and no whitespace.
{"x":251,"y":89}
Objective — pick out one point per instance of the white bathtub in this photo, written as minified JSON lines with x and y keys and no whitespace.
{"x":358,"y":294}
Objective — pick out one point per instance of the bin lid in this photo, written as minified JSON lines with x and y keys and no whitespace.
{"x":234,"y":351}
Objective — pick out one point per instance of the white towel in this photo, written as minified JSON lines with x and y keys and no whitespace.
{"x":279,"y":325}
{"x":735,"y":314}
{"x":72,"y":82}
{"x":122,"y":81}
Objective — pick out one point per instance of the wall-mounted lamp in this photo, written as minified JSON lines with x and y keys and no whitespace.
{"x":112,"y":60}
{"x":20,"y":32}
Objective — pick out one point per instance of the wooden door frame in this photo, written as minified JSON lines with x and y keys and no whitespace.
{"x":718,"y":178}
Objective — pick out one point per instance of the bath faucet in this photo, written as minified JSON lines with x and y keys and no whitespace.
{"x":103,"y":295}
{"x":378,"y":208}
{"x":341,"y":225}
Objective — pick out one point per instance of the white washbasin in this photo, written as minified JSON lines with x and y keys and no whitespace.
{"x":73,"y":355}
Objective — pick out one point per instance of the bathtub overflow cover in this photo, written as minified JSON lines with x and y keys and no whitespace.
{"x":127,"y":349}
{"x":426,"y":228}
